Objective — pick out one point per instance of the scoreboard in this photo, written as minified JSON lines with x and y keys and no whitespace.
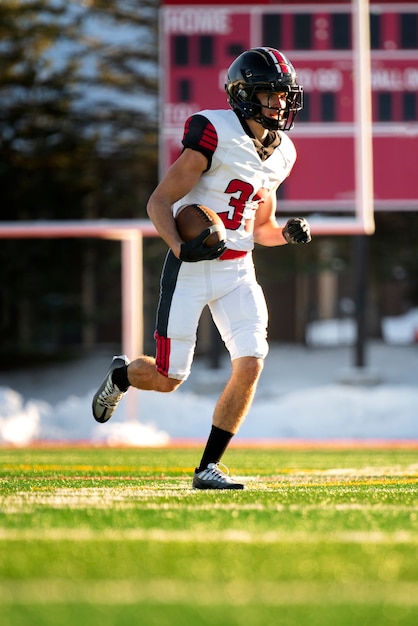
{"x":199,"y":42}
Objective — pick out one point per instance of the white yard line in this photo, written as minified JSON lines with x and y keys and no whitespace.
{"x":214,"y":536}
{"x":14,"y":504}
{"x":237,"y":592}
{"x":130,"y":498}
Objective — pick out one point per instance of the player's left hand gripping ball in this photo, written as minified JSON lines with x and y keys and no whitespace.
{"x":297,"y":230}
{"x":195,"y":249}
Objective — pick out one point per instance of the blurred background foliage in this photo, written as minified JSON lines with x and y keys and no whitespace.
{"x":79,"y":140}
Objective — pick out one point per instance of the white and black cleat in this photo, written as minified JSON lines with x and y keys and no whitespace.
{"x":108,"y":395}
{"x":214,"y":478}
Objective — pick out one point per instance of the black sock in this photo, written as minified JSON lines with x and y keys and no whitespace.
{"x":120,"y":377}
{"x":215,"y":447}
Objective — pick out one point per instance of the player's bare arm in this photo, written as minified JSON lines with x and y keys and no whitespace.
{"x":177,"y":182}
{"x":267,"y":232}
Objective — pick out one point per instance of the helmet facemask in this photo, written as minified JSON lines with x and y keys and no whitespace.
{"x":248,"y":103}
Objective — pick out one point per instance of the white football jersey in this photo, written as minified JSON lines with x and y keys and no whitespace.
{"x":236,"y":175}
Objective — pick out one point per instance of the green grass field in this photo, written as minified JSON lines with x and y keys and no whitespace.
{"x":111,"y":537}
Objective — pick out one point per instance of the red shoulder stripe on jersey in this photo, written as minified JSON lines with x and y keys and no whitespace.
{"x":209,"y":138}
{"x":201,"y":135}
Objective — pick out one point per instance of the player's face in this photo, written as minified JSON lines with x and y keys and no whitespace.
{"x":274,"y":104}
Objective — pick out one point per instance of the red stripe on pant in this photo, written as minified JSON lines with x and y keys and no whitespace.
{"x":232,"y":254}
{"x":162,"y":358}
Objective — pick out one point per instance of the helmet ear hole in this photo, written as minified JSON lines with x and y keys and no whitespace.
{"x":247,"y":108}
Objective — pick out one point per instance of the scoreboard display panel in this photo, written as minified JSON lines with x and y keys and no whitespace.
{"x":200,"y":41}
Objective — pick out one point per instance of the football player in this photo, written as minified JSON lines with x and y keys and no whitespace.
{"x":233,"y":161}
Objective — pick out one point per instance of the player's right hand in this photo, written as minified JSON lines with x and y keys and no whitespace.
{"x":195,"y":249}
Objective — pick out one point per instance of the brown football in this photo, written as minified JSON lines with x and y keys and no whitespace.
{"x":193,"y":219}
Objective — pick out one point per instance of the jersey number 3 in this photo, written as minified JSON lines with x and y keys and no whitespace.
{"x":245,"y":191}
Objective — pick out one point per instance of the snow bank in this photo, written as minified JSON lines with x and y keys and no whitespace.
{"x":152,"y":419}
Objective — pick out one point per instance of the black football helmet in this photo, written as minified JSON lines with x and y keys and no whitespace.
{"x":263,"y":70}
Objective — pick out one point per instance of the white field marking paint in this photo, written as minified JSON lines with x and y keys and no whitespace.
{"x":28,"y":501}
{"x":408,"y":486}
{"x":375,"y":470}
{"x":215,"y":536}
{"x":176,"y":483}
{"x":390,"y":470}
{"x":131,"y":497}
{"x":237,"y":592}
{"x":395,"y":471}
{"x":99,"y":493}
{"x":182,"y":486}
{"x":16,"y":504}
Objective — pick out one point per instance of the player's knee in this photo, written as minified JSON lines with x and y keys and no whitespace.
{"x":167,"y":385}
{"x":248,"y":368}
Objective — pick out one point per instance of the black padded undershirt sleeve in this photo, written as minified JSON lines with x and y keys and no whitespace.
{"x":200,"y":135}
